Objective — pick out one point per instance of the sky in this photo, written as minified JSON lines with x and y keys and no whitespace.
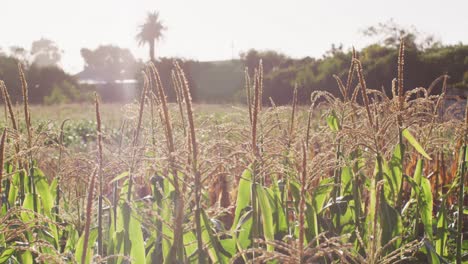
{"x":208,"y":30}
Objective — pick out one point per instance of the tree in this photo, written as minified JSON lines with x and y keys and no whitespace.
{"x":20,"y":53}
{"x":390,"y":34}
{"x":270,"y":60}
{"x":108,"y":63}
{"x":9,"y":74}
{"x":45,"y":53}
{"x":42,"y":80}
{"x":150,"y":32}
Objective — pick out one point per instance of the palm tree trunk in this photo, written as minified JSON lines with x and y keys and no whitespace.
{"x":152,"y":56}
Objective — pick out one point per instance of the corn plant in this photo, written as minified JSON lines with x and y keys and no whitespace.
{"x":362,"y":178}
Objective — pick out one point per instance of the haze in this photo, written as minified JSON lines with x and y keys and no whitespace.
{"x":215,"y":30}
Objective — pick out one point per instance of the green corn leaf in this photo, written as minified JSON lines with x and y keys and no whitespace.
{"x":216,"y":250}
{"x":466,"y":154}
{"x":166,"y":213}
{"x":311,"y":223}
{"x":190,"y":245}
{"x":347,"y":217}
{"x":229,"y":245}
{"x":418,"y":171}
{"x":93,"y":233}
{"x":137,"y":252}
{"x":414,"y":143}
{"x":6,"y":254}
{"x":44,"y":192}
{"x":442,"y":230}
{"x":346,"y":181}
{"x":295,"y":190}
{"x":53,"y":189}
{"x":392,"y":225}
{"x":267,"y":216}
{"x":73,"y":238}
{"x":28,"y":204}
{"x":279,"y":217}
{"x":120,"y":176}
{"x":394,"y":175}
{"x":118,"y":236}
{"x":13,"y":194}
{"x":333,"y":122}
{"x":243,"y":230}
{"x":321,"y":193}
{"x":149,"y":255}
{"x":426,"y":207}
{"x":243,"y":195}
{"x":432,"y":256}
{"x":27,"y":258}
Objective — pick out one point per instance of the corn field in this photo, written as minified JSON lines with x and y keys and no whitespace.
{"x":364,"y":178}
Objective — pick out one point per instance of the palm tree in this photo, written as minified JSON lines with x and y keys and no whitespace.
{"x":150,"y":32}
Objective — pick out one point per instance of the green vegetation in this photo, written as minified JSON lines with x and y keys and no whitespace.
{"x":340,"y":181}
{"x":222,"y":81}
{"x":423,"y":67}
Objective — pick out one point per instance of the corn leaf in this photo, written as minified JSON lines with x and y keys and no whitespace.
{"x":44,"y":192}
{"x":215,"y":250}
{"x":28,"y":204}
{"x":393,"y":173}
{"x":190,"y":245}
{"x":417,"y":179}
{"x":243,"y":230}
{"x":80,"y":244}
{"x":426,"y":207}
{"x":267,"y":216}
{"x":137,"y":253}
{"x":27,"y":258}
{"x":6,"y":254}
{"x":333,"y":122}
{"x":243,"y":195}
{"x":120,"y":176}
{"x":414,"y":143}
{"x":392,"y":225}
{"x":442,"y":230}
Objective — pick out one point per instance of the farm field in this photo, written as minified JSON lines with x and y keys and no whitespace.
{"x":366,"y":177}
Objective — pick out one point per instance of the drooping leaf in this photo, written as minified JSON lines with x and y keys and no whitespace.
{"x":414,"y":143}
{"x":321,"y":192}
{"x":243,"y":230}
{"x":215,"y":249}
{"x":6,"y":254}
{"x":120,"y":176}
{"x":432,"y":256}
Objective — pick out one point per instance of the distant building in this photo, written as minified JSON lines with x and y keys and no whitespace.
{"x":114,"y":91}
